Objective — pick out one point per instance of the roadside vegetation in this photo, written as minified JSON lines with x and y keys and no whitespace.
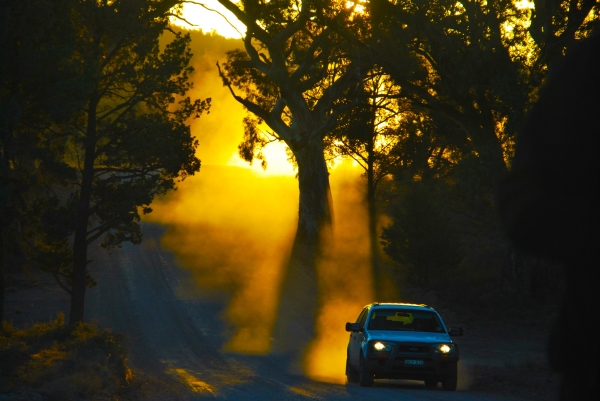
{"x":63,"y":362}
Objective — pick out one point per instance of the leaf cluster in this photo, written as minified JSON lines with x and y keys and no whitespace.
{"x":294,"y":69}
{"x":105,"y":81}
{"x":421,"y":239}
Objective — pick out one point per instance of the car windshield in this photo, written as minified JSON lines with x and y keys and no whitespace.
{"x":393,"y":319}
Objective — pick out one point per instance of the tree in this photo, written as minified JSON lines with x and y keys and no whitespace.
{"x":478,"y":63}
{"x":555,"y":26}
{"x":293,"y":72}
{"x":33,"y":52}
{"x":548,"y":204}
{"x":461,"y":66}
{"x":478,"y":66}
{"x":421,"y":239}
{"x":366,"y":134}
{"x":130,"y":141}
{"x":295,"y":75}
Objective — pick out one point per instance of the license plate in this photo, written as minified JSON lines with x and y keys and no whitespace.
{"x":413,"y":362}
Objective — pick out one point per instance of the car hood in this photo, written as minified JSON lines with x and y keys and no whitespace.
{"x":409,"y":336}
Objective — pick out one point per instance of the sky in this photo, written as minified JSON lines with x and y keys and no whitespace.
{"x":222,"y":23}
{"x":219,"y":20}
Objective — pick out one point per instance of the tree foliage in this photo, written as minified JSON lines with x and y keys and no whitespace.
{"x":294,"y":73}
{"x":119,"y":112}
{"x":33,"y":52}
{"x":471,"y":71}
{"x":422,"y":239}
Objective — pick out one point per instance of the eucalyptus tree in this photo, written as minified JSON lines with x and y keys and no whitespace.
{"x":131,"y":140}
{"x":479,"y":63}
{"x":464,"y":68}
{"x":293,"y":72}
{"x":479,"y":66}
{"x":295,"y":77}
{"x":555,"y":26}
{"x":422,"y":240}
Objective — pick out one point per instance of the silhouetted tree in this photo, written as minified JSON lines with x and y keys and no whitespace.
{"x":93,"y":101}
{"x":367,"y":135}
{"x":475,"y":66}
{"x":548,"y":205}
{"x":34,"y":38}
{"x":557,"y":25}
{"x":457,"y":61}
{"x":293,"y":72}
{"x":131,"y":141}
{"x":295,"y":75}
{"x":422,"y":240}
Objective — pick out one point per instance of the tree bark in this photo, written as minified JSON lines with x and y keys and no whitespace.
{"x":372,"y":215}
{"x":299,"y":303}
{"x":83,"y":213}
{"x":315,"y":210}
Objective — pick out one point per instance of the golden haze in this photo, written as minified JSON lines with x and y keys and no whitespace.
{"x":233,"y":226}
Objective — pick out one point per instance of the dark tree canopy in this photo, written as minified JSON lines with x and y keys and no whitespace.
{"x":548,"y":203}
{"x":422,"y":239}
{"x":118,"y":109}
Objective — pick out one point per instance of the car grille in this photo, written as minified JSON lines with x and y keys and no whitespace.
{"x":421,"y":349}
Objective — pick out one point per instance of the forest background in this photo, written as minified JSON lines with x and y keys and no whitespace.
{"x":427,"y":97}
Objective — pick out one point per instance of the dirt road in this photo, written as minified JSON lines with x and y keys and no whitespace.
{"x":176,"y":334}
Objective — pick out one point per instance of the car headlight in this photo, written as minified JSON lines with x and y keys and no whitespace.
{"x":382,"y":347}
{"x":444,"y":349}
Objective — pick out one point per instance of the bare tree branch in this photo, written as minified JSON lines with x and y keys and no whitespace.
{"x":214,"y":11}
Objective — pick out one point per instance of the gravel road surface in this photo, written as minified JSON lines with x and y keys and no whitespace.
{"x":176,"y":335}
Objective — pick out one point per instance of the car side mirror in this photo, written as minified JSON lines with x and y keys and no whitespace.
{"x":456,"y":331}
{"x":353,"y":327}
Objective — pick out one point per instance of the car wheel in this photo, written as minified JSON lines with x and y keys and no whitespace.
{"x":365,"y":378}
{"x":431,"y":383}
{"x":351,"y":373}
{"x":449,"y":382}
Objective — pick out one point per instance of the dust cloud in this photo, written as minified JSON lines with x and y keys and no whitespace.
{"x":344,"y":273}
{"x":233,"y":227}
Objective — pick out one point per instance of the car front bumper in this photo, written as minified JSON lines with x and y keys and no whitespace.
{"x":420,"y":366}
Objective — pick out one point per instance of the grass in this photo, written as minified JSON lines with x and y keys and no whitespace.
{"x":64,"y":362}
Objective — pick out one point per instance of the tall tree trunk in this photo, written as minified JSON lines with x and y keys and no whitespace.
{"x":83,"y":213}
{"x":315,"y":210}
{"x":299,"y":301}
{"x":488,"y":146}
{"x":372,"y":215}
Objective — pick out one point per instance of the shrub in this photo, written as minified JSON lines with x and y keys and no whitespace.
{"x":63,"y":362}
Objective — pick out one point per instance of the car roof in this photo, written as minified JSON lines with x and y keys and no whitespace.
{"x":394,"y":305}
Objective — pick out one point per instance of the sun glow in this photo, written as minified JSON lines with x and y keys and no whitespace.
{"x":212,"y":17}
{"x":232,"y":225}
{"x":358,"y":8}
{"x":276,"y":157}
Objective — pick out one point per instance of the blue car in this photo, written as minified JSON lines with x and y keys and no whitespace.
{"x":402,"y":341}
